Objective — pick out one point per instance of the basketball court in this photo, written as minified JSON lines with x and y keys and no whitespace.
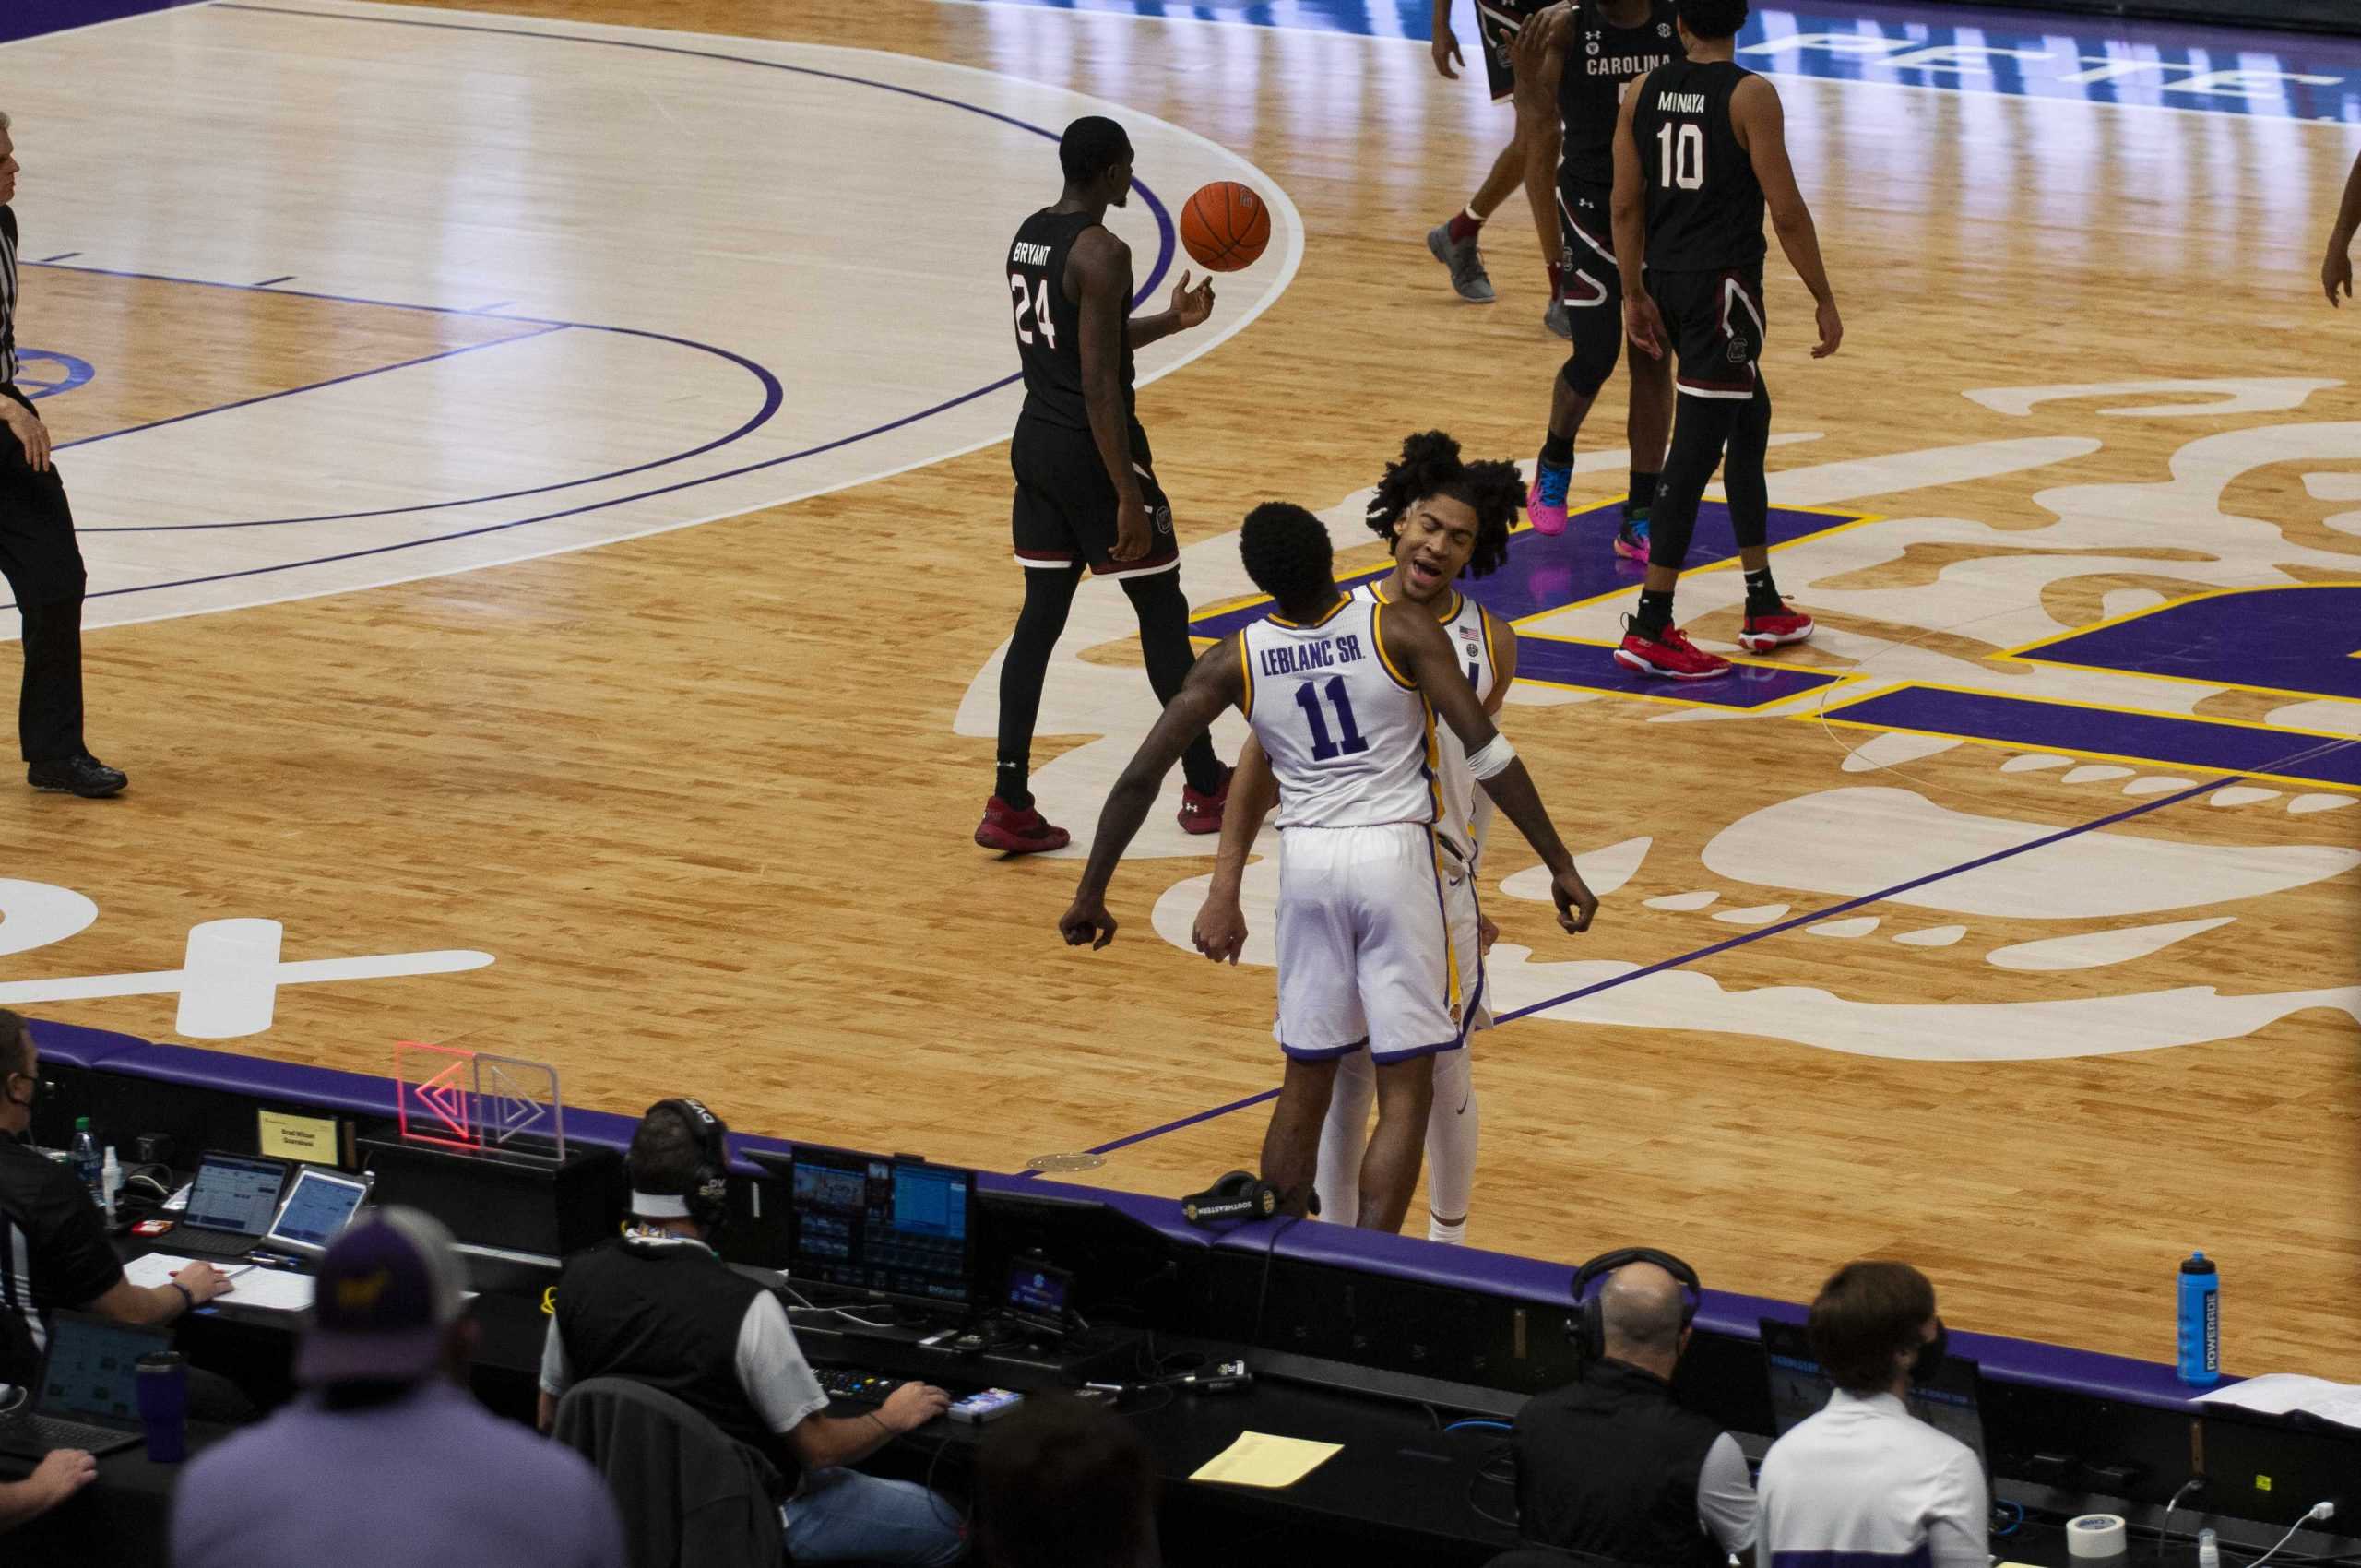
{"x":545,"y":477}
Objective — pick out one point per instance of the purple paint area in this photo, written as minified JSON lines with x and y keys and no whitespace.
{"x":2299,"y":640}
{"x":1544,"y":574}
{"x":30,"y":19}
{"x":1592,"y":667}
{"x":2158,"y":738}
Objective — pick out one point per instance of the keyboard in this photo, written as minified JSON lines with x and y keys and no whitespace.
{"x":191,"y":1241}
{"x":850,"y":1385}
{"x":30,"y":1437}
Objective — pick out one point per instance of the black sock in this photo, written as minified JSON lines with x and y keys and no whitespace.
{"x":1049,"y":593}
{"x":1010,"y":783}
{"x":1644,"y":496}
{"x":1654,"y":614}
{"x":1763,"y":594}
{"x":1558,"y":451}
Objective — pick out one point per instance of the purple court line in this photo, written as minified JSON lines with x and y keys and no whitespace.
{"x":290,"y":392}
{"x":267,"y":282}
{"x":60,"y":255}
{"x":2059,"y":836}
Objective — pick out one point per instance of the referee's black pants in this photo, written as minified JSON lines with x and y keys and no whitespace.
{"x":43,"y":569}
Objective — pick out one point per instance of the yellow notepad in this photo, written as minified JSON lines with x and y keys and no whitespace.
{"x":1259,"y":1459}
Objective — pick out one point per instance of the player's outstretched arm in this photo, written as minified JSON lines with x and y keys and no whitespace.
{"x":2336,"y":271}
{"x":1217,"y":683}
{"x":1099,"y":268}
{"x":1539,"y":60}
{"x":1642,"y":322}
{"x":1219,"y":931}
{"x":1760,"y":121}
{"x":1416,"y":646}
{"x":1191,"y":307}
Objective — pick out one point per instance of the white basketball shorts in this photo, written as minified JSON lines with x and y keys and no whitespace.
{"x":1366,"y":951}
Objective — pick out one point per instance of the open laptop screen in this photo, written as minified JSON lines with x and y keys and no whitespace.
{"x":92,"y":1368}
{"x":319,"y":1205}
{"x":234,"y":1193}
{"x":1948,"y":1401}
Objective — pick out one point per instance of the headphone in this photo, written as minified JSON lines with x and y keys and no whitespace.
{"x":1239,"y":1196}
{"x":709,"y":1193}
{"x":1589,"y":1323}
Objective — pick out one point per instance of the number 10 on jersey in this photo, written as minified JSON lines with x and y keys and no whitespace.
{"x":1680,"y":162}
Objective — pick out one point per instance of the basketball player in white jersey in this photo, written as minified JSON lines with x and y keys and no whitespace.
{"x":1343,"y":695}
{"x":1442,"y":518}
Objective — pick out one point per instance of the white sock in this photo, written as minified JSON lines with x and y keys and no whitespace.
{"x":1451,"y":1145}
{"x":1344,"y":1138}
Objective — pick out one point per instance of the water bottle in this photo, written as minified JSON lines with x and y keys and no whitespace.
{"x":111,"y":1182}
{"x":2201,"y":1322}
{"x":87,"y":1166}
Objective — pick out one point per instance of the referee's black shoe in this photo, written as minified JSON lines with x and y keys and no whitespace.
{"x":85,"y":776}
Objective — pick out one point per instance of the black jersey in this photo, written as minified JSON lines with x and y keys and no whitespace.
{"x":1704,"y":204}
{"x":1601,"y":60}
{"x":1048,"y":325}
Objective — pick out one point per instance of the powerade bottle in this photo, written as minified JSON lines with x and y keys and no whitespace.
{"x":86,"y":1164}
{"x":2201,"y":1322}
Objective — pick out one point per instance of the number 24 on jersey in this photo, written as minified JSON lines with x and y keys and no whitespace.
{"x":1028,"y":305}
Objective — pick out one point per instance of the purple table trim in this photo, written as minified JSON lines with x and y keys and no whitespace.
{"x":1410,"y":1258}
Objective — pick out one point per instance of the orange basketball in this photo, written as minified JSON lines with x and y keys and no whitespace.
{"x":1224,"y":226}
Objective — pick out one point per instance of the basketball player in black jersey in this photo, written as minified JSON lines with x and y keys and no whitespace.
{"x":1575,"y":62}
{"x":1453,"y":241}
{"x":1086,"y":483}
{"x":1700,"y":150}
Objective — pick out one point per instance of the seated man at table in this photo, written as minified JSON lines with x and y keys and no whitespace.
{"x":385,"y":1460}
{"x":58,"y":1238}
{"x":658,"y":1304}
{"x":1612,"y":1464}
{"x":1066,"y":1482}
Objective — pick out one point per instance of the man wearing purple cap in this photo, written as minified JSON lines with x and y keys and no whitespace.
{"x":384,"y":1459}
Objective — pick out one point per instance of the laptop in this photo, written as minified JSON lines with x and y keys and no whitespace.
{"x":316,"y":1210}
{"x":1949,"y":1401}
{"x":88,"y":1393}
{"x":229,"y":1206}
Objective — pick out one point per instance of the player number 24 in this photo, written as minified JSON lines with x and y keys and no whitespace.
{"x":1323,"y":748}
{"x":1040,"y":310}
{"x":1682,"y":156}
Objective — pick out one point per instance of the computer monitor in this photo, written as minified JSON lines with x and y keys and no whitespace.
{"x":1948,"y":1401}
{"x":234,"y":1193}
{"x":891,"y":1225}
{"x":318,"y":1206}
{"x":1039,"y":1293}
{"x":91,"y":1370}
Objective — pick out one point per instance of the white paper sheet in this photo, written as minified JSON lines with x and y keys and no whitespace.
{"x":273,"y":1290}
{"x":2275,"y":1393}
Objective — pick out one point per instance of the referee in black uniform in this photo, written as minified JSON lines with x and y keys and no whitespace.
{"x":39,"y":557}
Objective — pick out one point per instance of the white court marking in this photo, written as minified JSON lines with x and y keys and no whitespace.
{"x":671,"y":179}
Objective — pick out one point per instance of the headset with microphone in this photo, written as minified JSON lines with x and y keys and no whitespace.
{"x":707,"y":1199}
{"x":1589,"y":1323}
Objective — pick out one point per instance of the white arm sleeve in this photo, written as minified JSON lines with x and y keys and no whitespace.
{"x":1957,"y":1523}
{"x":771,"y":1368}
{"x":557,"y":1370}
{"x":1725,"y":1496}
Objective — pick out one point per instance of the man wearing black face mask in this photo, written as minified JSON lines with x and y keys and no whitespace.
{"x":56,"y":1239}
{"x":1863,"y":1481}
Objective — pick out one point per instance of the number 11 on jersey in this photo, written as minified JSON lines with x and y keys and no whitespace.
{"x":1323,"y":748}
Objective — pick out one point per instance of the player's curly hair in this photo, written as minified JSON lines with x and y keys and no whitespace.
{"x":1286,"y":550}
{"x":1711,"y":18}
{"x":1429,"y":465}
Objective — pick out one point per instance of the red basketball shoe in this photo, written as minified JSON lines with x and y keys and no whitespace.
{"x":1669,"y":654}
{"x":1015,"y":832}
{"x":1202,"y":813}
{"x":1764,"y":633}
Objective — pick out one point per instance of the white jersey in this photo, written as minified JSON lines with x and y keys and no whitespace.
{"x":1351,"y":742}
{"x":1467,"y":810}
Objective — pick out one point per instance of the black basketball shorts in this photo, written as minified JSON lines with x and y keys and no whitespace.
{"x":1496,"y":23}
{"x":1065,"y":512}
{"x":1593,"y":288}
{"x":1716,"y":321}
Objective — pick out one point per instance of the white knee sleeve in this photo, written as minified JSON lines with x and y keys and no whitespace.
{"x":1451,"y":1137}
{"x":1343,"y":1138}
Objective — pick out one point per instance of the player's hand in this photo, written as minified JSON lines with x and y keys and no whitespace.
{"x":1832,"y":330}
{"x":1192,"y":306}
{"x":1533,"y":38}
{"x":2336,"y":273}
{"x":1445,"y":49}
{"x":1576,"y":903}
{"x":1220,"y":930}
{"x":1487,"y":931}
{"x":1644,"y":324}
{"x":31,"y":434}
{"x":1086,"y":920}
{"x":913,"y":1405}
{"x":202,"y":1281}
{"x":1132,"y":533}
{"x":60,"y":1474}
